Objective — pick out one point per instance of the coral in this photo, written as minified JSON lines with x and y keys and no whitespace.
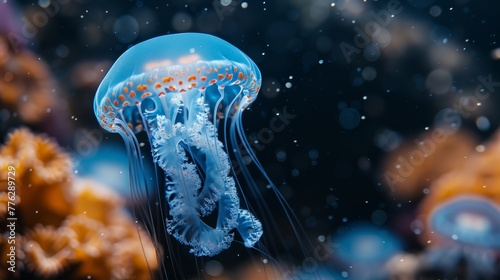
{"x":69,"y":227}
{"x":27,"y":86}
{"x":95,"y":201}
{"x":48,"y":250}
{"x":42,"y":160}
{"x":414,"y":165}
{"x":42,"y":173}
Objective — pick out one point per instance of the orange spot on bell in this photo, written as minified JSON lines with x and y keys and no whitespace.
{"x":146,"y":94}
{"x":180,"y":83}
{"x":161,"y":93}
{"x":203,"y":78}
{"x":142,"y":87}
{"x":229,"y":76}
{"x":220,"y":76}
{"x":167,"y":79}
{"x":132,"y":94}
{"x":182,"y":90}
{"x":157,"y":85}
{"x":172,"y":88}
{"x":191,"y":78}
{"x":212,"y":81}
{"x":115,"y":102}
{"x":150,"y":80}
{"x":121,"y":97}
{"x":126,"y":103}
{"x":240,"y":75}
{"x":125,"y":89}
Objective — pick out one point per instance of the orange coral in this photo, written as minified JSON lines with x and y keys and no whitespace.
{"x":69,"y":224}
{"x":133,"y":259}
{"x":412,"y":167}
{"x":43,"y":173}
{"x":95,"y":201}
{"x":26,"y":86}
{"x":48,"y":250}
{"x":89,"y":234}
{"x":42,"y":159}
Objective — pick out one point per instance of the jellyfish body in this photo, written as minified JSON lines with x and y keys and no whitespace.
{"x":363,"y":250}
{"x":465,"y":229}
{"x":468,"y":220}
{"x":177,"y":88}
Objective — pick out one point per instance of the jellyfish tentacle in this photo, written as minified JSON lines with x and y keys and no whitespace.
{"x":249,"y":228}
{"x":181,"y":190}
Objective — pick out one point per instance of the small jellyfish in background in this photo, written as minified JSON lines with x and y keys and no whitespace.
{"x":183,"y":90}
{"x":362,"y":250}
{"x":464,"y":239}
{"x":460,"y":219}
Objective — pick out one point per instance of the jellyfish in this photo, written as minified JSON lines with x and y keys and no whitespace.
{"x":464,"y":232}
{"x":362,"y":250}
{"x":179,"y":89}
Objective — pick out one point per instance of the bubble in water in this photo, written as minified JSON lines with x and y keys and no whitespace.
{"x":182,"y":21}
{"x":382,"y":37}
{"x":495,"y":53}
{"x":480,"y":148}
{"x":439,"y":81}
{"x":41,"y":3}
{"x":214,"y":268}
{"x":313,"y":154}
{"x":387,"y":140}
{"x":281,"y":155}
{"x":371,"y":52}
{"x":435,"y":11}
{"x":448,"y":118}
{"x":244,"y":5}
{"x":225,"y":2}
{"x":483,"y":123}
{"x":369,"y":73}
{"x":126,"y":29}
{"x":349,"y":118}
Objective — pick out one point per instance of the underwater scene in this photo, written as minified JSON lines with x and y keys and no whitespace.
{"x":247,"y":140}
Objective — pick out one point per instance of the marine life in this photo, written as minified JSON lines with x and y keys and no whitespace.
{"x":180,"y":89}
